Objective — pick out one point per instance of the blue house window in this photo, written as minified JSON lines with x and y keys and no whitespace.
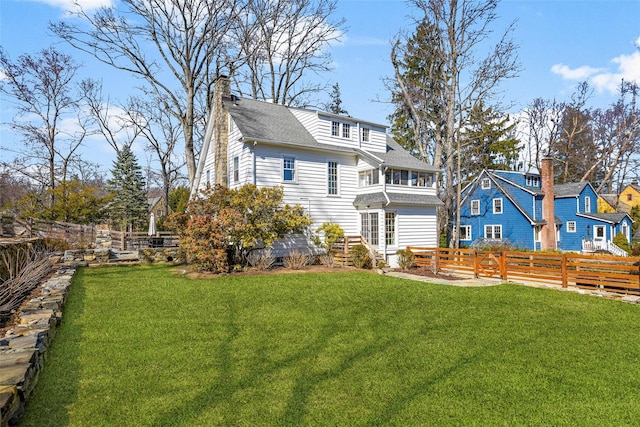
{"x":485,"y":183}
{"x":497,"y":206}
{"x":571,"y":227}
{"x":587,"y":204}
{"x":475,"y":207}
{"x":533,"y":181}
{"x":465,"y":232}
{"x":289,"y":169}
{"x":493,"y":231}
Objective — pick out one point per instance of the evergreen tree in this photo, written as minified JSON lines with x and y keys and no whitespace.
{"x":489,"y":142}
{"x":335,"y":105}
{"x":129,"y":205}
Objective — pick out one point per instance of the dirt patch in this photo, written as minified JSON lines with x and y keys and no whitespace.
{"x":193,"y":274}
{"x":428,"y":273}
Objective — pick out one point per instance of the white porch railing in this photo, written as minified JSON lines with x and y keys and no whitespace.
{"x":590,"y":245}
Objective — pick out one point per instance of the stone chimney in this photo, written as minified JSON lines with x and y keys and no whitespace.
{"x":548,"y":234}
{"x":221,"y":129}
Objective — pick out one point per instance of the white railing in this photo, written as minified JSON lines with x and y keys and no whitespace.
{"x":590,"y":245}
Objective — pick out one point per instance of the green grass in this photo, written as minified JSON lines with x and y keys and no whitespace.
{"x":140,"y":346}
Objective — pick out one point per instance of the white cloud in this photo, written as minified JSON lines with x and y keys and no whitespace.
{"x":602,"y":79}
{"x":580,"y":73}
{"x":71,"y":4}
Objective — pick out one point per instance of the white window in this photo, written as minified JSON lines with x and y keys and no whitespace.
{"x":475,"y":207}
{"x":598,"y":232}
{"x":493,"y":231}
{"x":465,"y":232}
{"x":390,"y":228}
{"x":587,"y":204}
{"x":335,"y":128}
{"x":533,"y":181}
{"x":288,"y":169}
{"x":236,"y":166}
{"x":369,"y":227}
{"x":369,"y":177}
{"x":625,"y":230}
{"x":346,"y":130}
{"x":208,"y":178}
{"x":332,"y":178}
{"x":486,"y":183}
{"x":571,"y":226}
{"x":497,"y":206}
{"x":365,"y":134}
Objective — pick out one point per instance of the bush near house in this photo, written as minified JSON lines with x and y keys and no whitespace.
{"x":620,"y":240}
{"x":223,"y":225}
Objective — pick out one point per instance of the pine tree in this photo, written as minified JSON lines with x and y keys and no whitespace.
{"x":335,"y":106}
{"x":129,"y":205}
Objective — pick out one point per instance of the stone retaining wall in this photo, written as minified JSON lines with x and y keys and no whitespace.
{"x":23,"y":347}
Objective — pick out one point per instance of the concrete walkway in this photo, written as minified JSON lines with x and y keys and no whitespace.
{"x":480,"y":282}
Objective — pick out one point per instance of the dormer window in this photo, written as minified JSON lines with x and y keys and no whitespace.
{"x":533,"y":181}
{"x":485,"y":183}
{"x":346,"y":130}
{"x":365,"y":134}
{"x":335,"y":128}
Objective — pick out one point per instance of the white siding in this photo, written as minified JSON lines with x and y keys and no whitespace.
{"x":416,"y":226}
{"x":377,"y":139}
{"x":310,"y":190}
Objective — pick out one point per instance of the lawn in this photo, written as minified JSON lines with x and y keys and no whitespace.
{"x":143,"y":346}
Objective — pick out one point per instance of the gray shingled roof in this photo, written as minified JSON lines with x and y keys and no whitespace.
{"x":397,"y":198}
{"x":398,"y":157}
{"x":570,"y":189}
{"x":612,"y":218}
{"x":267,"y":122}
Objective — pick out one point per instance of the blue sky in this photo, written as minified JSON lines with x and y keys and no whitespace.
{"x":561,"y":43}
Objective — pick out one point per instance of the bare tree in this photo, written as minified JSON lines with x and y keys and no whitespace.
{"x":173,"y":45}
{"x":48,"y":113}
{"x":282,"y":42}
{"x":457,"y":30}
{"x":542,"y":128}
{"x":161,"y":133}
{"x":110,"y":120}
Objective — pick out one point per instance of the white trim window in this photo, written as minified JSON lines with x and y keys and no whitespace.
{"x":571,"y":227}
{"x":365,"y":134}
{"x":346,"y":130}
{"x":368,"y":177}
{"x":289,"y":169}
{"x":485,"y":184}
{"x":390,"y":228}
{"x":533,"y":181}
{"x":332,"y":178}
{"x":335,"y":128}
{"x":465,"y":232}
{"x":493,"y":231}
{"x":587,"y":204}
{"x":624,"y":229}
{"x":236,"y":169}
{"x":208,"y":178}
{"x":497,"y":206}
{"x":475,"y":207}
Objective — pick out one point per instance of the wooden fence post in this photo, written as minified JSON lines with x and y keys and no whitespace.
{"x":564,"y":271}
{"x":436,"y":262}
{"x":503,"y":266}
{"x":476,"y":264}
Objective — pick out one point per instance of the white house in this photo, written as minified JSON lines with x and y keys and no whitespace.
{"x":340,"y":169}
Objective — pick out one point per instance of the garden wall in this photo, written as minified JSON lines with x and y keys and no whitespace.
{"x":23,"y":347}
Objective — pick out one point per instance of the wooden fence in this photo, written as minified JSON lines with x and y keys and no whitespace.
{"x":85,"y":236}
{"x":611,"y":273}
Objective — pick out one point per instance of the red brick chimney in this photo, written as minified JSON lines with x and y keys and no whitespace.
{"x":221,"y":129}
{"x":548,"y":235}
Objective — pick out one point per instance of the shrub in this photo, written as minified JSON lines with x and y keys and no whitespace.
{"x":295,"y":260}
{"x":327,"y":260}
{"x":261,"y":259}
{"x":620,"y":240}
{"x":360,"y":256}
{"x":406,"y":258}
{"x":332,"y":233}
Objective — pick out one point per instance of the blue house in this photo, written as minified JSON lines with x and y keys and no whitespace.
{"x":516,"y":207}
